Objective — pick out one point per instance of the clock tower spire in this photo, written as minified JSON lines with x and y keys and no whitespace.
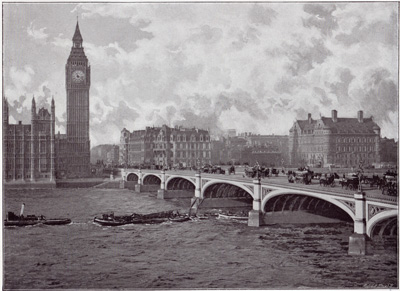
{"x":77,"y":83}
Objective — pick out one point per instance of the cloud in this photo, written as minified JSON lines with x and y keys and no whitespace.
{"x":341,"y":87}
{"x":378,"y":95}
{"x":20,"y":81}
{"x":261,"y":15}
{"x":37,"y":34}
{"x":303,"y":57}
{"x":379,"y":31}
{"x":321,"y":95}
{"x":321,"y":17}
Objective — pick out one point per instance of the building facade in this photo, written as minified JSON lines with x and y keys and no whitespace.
{"x":29,"y":149}
{"x":267,"y":150}
{"x":332,"y":140}
{"x":165,"y":146}
{"x":33,"y":152}
{"x":389,"y":151}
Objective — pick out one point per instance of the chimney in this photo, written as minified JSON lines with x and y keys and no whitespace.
{"x":334,"y":115}
{"x":309,"y":118}
{"x":360,"y":116}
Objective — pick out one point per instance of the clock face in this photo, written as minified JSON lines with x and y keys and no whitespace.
{"x":78,"y":76}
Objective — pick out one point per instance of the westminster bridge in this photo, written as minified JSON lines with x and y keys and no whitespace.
{"x":368,"y":209}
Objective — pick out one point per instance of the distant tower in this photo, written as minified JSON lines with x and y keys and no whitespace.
{"x":77,"y":83}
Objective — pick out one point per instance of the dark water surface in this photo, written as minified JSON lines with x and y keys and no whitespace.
{"x":196,"y":254}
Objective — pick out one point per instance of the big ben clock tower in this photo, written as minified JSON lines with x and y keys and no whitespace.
{"x":77,"y":83}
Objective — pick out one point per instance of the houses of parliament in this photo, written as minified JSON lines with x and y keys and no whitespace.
{"x":33,"y":152}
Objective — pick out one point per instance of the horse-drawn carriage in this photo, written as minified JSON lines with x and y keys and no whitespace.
{"x":254,"y":171}
{"x":328,"y":179}
{"x":303,"y":177}
{"x":372,"y":181}
{"x":389,"y":185}
{"x":351,"y":182}
{"x":231,"y":170}
{"x":275,"y":172}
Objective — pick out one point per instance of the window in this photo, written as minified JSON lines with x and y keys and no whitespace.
{"x":179,"y":138}
{"x":201,"y":137}
{"x":184,"y":137}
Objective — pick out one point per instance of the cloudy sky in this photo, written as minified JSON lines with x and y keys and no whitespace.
{"x":250,"y":66}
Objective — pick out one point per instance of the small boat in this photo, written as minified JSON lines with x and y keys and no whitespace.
{"x":201,"y":217}
{"x":226,"y":216}
{"x":135,"y":218}
{"x":110,"y":222}
{"x":15,"y":220}
{"x":180,"y":219}
{"x":56,"y":221}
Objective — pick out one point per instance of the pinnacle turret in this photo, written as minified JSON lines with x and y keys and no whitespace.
{"x":77,"y":34}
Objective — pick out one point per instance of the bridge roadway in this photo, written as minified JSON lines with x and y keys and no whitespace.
{"x":281,"y":180}
{"x":367,"y":208}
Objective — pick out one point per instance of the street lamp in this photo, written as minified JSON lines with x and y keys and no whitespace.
{"x":360,"y":174}
{"x":257,"y":168}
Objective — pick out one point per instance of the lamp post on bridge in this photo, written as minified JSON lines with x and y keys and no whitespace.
{"x":360,"y":172}
{"x":255,"y":215}
{"x":358,"y":240}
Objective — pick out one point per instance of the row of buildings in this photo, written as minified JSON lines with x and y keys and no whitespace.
{"x":322,"y":142}
{"x":165,"y":146}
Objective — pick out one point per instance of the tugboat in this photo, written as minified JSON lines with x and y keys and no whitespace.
{"x":21,"y":220}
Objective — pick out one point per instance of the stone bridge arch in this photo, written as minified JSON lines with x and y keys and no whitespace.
{"x":151,"y":179}
{"x":132,"y":177}
{"x":342,"y":205}
{"x":371,"y":223}
{"x":179,"y":183}
{"x":213,"y":184}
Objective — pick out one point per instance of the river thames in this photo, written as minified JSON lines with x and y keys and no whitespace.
{"x":203,"y":254}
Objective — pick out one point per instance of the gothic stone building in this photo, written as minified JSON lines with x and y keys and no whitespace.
{"x":165,"y":146}
{"x":28,"y":149}
{"x":332,"y":140}
{"x":33,"y":152}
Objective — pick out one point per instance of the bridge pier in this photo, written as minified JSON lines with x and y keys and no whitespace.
{"x":138,"y":186}
{"x":358,"y":240}
{"x":162,"y":191}
{"x":196,"y":200}
{"x":255,"y":215}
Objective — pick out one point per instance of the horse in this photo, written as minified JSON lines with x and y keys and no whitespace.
{"x":327,"y":181}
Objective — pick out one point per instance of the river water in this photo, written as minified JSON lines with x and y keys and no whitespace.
{"x":204,"y":254}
